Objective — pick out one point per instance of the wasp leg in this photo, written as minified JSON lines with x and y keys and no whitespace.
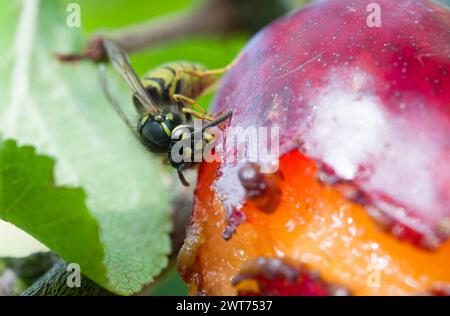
{"x":181,"y":98}
{"x":210,"y":89}
{"x":112,"y":100}
{"x":202,"y":116}
{"x":201,"y":113}
{"x":218,"y":71}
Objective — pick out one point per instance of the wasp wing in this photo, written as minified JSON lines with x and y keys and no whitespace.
{"x":115,"y":105}
{"x":119,"y":60}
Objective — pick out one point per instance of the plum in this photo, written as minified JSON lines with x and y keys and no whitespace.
{"x":363,"y":112}
{"x":371,"y":105}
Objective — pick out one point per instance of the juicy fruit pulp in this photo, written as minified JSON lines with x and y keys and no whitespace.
{"x":313,"y":226}
{"x":369,"y":109}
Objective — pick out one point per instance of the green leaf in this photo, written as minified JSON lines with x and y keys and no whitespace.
{"x":26,"y":181}
{"x":60,"y":110}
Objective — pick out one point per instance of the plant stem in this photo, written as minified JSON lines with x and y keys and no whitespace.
{"x":210,"y":17}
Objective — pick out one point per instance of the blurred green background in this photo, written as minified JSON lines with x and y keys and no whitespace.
{"x":212,"y":52}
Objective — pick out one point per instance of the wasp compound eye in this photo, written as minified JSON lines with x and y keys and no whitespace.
{"x":156,"y":131}
{"x":154,"y":137}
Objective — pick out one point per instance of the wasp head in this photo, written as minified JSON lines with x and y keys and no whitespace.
{"x":155,"y":131}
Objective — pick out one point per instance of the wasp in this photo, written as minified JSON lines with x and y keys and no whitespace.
{"x":165,"y":100}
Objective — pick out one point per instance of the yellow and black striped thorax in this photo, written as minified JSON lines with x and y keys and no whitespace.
{"x":169,"y":79}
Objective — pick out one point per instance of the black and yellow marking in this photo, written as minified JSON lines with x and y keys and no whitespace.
{"x":176,"y":78}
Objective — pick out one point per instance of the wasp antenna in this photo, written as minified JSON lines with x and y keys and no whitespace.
{"x":182,"y":178}
{"x":217,"y":121}
{"x":113,"y":102}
